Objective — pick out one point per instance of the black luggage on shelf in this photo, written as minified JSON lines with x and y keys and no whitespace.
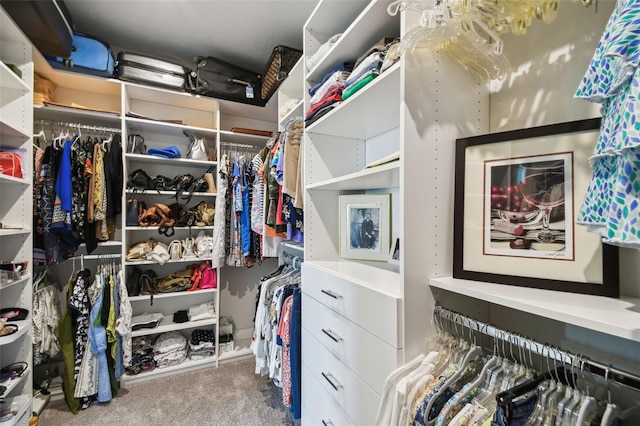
{"x":219,"y":79}
{"x":144,"y":69}
{"x":89,"y":55}
{"x":279,"y":66}
{"x":47,"y":24}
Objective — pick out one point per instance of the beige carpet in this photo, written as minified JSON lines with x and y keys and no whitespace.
{"x":231,"y":394}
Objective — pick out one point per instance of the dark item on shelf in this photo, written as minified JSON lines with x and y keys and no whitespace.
{"x":14,"y":69}
{"x":47,"y":24}
{"x":89,"y":55}
{"x":180,"y":317}
{"x":135,"y":144}
{"x":145,"y":69}
{"x":133,"y":281}
{"x":279,"y":66}
{"x":10,"y":164}
{"x":147,"y":283}
{"x":14,"y":266}
{"x":220,"y":79}
{"x":12,"y":371}
{"x":134,"y":208}
{"x":266,"y":133}
{"x":14,"y":314}
{"x":139,"y":179}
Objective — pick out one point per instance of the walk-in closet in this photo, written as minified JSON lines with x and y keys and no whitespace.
{"x":319,"y":212}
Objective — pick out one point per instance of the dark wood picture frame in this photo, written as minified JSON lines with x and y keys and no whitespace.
{"x":582,"y":264}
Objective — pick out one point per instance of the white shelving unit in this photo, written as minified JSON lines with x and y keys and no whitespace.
{"x":161,"y":117}
{"x":16,"y":208}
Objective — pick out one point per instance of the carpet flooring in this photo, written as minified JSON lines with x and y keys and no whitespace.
{"x":231,"y":394}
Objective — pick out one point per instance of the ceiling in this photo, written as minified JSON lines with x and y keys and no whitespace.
{"x":242,"y":32}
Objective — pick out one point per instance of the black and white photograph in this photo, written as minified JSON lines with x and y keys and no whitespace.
{"x":364,"y":220}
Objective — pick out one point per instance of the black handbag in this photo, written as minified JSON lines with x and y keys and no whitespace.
{"x":139,"y":179}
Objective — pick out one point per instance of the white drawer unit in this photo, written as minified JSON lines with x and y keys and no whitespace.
{"x":320,"y":409}
{"x":371,"y":358}
{"x":355,"y":397}
{"x":367,"y":306}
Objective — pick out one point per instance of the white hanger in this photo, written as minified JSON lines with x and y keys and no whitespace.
{"x":613,"y":411}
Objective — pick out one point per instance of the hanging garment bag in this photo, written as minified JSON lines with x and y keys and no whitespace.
{"x":153,"y":71}
{"x":47,"y":24}
{"x":89,"y":55}
{"x":219,"y":79}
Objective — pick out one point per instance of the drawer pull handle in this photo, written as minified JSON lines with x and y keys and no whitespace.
{"x":331,"y":294}
{"x":327,"y":423}
{"x":332,"y":381}
{"x":333,"y":336}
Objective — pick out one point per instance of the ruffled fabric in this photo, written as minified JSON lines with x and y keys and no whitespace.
{"x":611,"y":207}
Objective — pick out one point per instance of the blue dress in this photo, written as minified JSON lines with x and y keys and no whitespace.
{"x":611,"y":207}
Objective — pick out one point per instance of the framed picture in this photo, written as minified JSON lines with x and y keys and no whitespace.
{"x":364,"y":226}
{"x":517,"y":195}
{"x":394,"y":252}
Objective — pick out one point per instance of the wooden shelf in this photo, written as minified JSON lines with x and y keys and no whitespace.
{"x":378,"y":276}
{"x":140,"y":125}
{"x":84,"y":116}
{"x":243,"y":138}
{"x":23,"y":327}
{"x":167,"y":324}
{"x":11,"y":384}
{"x":21,"y":404}
{"x":618,"y":317}
{"x":5,"y":232}
{"x":152,"y":159}
{"x":10,"y":179}
{"x":15,"y":282}
{"x":172,"y":295}
{"x":374,"y":117}
{"x":354,"y":40}
{"x":168,"y":262}
{"x":185,"y":366}
{"x":384,"y":176}
{"x":10,"y":81}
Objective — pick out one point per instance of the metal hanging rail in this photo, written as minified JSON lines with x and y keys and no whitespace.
{"x":77,"y":126}
{"x":542,"y":349}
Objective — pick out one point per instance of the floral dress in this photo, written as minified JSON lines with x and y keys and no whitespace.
{"x":612,"y":207}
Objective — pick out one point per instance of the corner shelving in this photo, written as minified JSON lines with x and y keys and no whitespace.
{"x":16,"y":209}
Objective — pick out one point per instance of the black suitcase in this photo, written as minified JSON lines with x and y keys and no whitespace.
{"x":144,"y":69}
{"x":47,"y":24}
{"x":219,"y":79}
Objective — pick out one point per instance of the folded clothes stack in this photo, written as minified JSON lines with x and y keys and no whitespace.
{"x":170,"y":349}
{"x":202,"y":344}
{"x":141,"y":355}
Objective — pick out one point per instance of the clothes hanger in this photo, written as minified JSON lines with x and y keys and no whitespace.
{"x":588,"y":406}
{"x":613,"y":413}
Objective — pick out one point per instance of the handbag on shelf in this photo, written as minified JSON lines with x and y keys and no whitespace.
{"x":148,"y":283}
{"x":135,"y":144}
{"x":197,"y":147}
{"x":140,"y":251}
{"x":211,"y":181}
{"x":176,"y":281}
{"x":134,"y":208}
{"x":208,"y":279}
{"x":139,"y":180}
{"x":10,"y":164}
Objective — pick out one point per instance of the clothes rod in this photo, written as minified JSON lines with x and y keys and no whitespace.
{"x":239,"y":145}
{"x":78,"y":126}
{"x":97,"y":256}
{"x":542,"y":349}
